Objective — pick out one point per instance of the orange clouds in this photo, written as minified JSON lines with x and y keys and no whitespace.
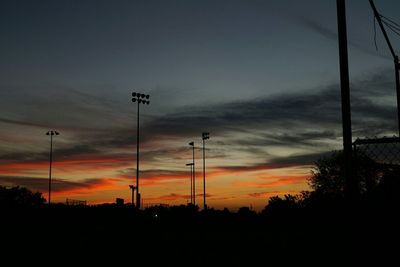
{"x":268,"y":194}
{"x":257,"y":167}
{"x":88,"y":187}
{"x":272,"y":181}
{"x":23,"y":168}
{"x":93,"y":164}
{"x":102,"y":190}
{"x":172,"y":196}
{"x":102,"y":178}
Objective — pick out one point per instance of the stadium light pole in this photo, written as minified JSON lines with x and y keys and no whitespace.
{"x":140,"y":99}
{"x":205,"y":136}
{"x":51,"y":133}
{"x":194,"y":175}
{"x":191,"y":181}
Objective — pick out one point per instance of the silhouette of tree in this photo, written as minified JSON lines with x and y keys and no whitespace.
{"x":327,"y":177}
{"x":327,"y":184}
{"x":288,"y":204}
{"x":19,"y":197}
{"x":246,"y":212}
{"x":386,"y":192}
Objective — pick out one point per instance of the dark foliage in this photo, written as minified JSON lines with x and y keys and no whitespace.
{"x":378,"y":185}
{"x":19,"y":197}
{"x":286,"y":205}
{"x":313,"y":227}
{"x":328,"y":174}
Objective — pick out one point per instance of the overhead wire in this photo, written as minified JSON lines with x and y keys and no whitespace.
{"x":376,"y":45}
{"x":390,"y":20}
{"x":391,"y":24}
{"x":393,"y":29}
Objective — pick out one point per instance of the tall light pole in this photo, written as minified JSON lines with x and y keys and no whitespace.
{"x":140,"y":99}
{"x":194,"y":175}
{"x":133,"y":188}
{"x":51,"y":133}
{"x":205,"y":136}
{"x":191,"y":181}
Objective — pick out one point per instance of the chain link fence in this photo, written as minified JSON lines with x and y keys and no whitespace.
{"x":385,"y":152}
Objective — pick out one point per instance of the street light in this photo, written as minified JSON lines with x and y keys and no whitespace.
{"x":140,"y":99}
{"x":133,"y":188}
{"x":205,"y":136}
{"x":191,"y":181}
{"x":51,"y":133}
{"x":194,"y":175}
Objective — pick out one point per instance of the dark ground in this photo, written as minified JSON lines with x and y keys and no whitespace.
{"x":59,"y":235}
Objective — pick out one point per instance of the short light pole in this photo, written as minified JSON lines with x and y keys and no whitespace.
{"x":194,"y":175}
{"x":205,"y":136}
{"x":140,"y":99}
{"x":133,"y":188}
{"x":51,"y":133}
{"x":191,"y":181}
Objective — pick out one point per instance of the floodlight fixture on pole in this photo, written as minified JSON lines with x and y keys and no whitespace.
{"x":194,"y":175}
{"x":140,"y":99}
{"x":205,"y":136}
{"x":51,"y":133}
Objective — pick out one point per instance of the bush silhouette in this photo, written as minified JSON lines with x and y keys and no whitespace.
{"x":328,"y":174}
{"x":19,"y":197}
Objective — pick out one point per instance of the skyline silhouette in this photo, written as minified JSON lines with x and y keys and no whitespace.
{"x":262,"y":78}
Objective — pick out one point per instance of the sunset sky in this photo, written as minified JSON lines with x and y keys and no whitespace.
{"x":261,"y":76}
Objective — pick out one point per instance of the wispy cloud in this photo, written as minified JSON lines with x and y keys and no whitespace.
{"x":273,"y":183}
{"x":303,"y":119}
{"x":277,"y":163}
{"x":332,"y":35}
{"x":297,"y":118}
{"x":58,"y":185}
{"x":269,"y":133}
{"x":268,"y":194}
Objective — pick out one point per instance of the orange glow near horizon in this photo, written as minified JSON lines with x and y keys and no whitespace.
{"x":230,"y":188}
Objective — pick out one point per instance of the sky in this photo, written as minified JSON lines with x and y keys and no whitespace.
{"x":262,"y":77}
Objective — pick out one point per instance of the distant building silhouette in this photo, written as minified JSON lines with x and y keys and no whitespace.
{"x":119,"y":201}
{"x":75,"y":202}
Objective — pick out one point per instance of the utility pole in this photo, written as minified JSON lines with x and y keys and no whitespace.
{"x":395,"y":58}
{"x":350,"y":181}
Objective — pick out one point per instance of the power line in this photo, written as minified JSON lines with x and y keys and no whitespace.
{"x":390,"y":20}
{"x":376,"y":46}
{"x":392,"y":28}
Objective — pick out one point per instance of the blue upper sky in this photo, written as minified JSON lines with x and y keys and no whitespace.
{"x":203,"y":51}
